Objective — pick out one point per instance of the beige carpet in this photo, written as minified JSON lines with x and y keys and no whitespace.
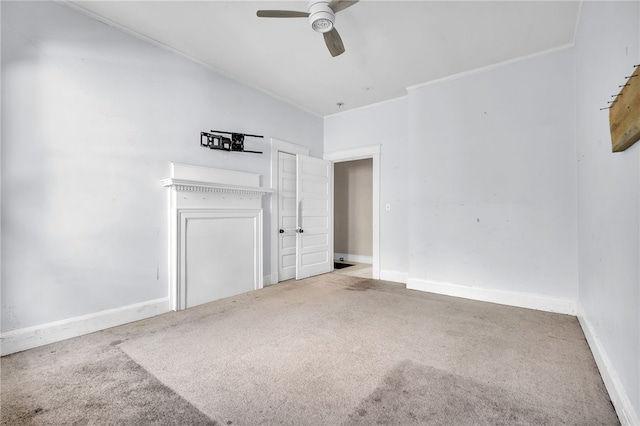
{"x":360,"y":270}
{"x":331,"y":350}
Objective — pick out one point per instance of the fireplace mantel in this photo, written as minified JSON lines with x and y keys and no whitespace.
{"x":215,"y":233}
{"x":190,"y":178}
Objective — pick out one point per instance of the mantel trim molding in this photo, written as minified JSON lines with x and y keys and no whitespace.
{"x":198,"y":186}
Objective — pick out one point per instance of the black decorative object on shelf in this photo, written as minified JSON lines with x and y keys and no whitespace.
{"x":215,"y":140}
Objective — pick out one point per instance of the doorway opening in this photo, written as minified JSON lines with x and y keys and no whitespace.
{"x":372,"y":156}
{"x":353,"y":218}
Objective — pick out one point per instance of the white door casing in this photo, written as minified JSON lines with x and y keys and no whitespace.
{"x":373,"y":152}
{"x":315,"y":216}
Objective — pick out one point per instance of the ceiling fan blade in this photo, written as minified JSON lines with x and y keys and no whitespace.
{"x":338,"y":5}
{"x":334,"y":42}
{"x":281,"y":14}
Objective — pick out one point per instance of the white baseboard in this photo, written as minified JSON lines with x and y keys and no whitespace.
{"x":502,"y":297}
{"x":353,"y":258}
{"x":621,"y":402}
{"x":32,"y":337}
{"x":394,"y":276}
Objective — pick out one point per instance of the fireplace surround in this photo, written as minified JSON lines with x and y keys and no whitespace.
{"x":215,"y":234}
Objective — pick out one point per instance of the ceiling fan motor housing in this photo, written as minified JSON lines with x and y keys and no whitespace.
{"x":321,"y":17}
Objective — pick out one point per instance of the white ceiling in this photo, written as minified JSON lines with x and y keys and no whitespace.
{"x":390,"y":45}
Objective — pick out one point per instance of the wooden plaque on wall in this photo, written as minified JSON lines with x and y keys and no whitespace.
{"x":624,"y":115}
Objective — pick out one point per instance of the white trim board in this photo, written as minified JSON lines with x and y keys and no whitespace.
{"x":40,"y":335}
{"x":490,"y":67}
{"x":352,"y":154}
{"x":394,"y":276}
{"x":619,"y":398}
{"x":358,"y":258}
{"x":501,"y":297}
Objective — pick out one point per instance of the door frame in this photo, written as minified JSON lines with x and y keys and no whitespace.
{"x":361,"y":153}
{"x":278,"y":145}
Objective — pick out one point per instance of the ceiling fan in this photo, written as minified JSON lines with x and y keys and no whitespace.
{"x":322,"y":15}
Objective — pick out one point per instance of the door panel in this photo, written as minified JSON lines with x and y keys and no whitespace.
{"x":314,"y":240}
{"x":288,"y":222}
{"x":314,"y":220}
{"x":314,"y":217}
{"x":289,"y":260}
{"x":315,"y":258}
{"x":316,"y":204}
{"x":287,"y":216}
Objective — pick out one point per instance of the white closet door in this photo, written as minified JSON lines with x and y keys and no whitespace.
{"x":315,"y":216}
{"x":287,"y":212}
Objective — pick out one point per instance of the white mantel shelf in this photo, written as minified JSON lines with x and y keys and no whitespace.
{"x":199,"y":186}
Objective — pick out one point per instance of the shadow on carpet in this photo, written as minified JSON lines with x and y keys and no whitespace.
{"x":419,"y":394}
{"x":113,"y":390}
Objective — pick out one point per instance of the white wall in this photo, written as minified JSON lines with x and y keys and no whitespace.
{"x":91,"y":119}
{"x":384,"y":124}
{"x":607,"y":47}
{"x":481,"y":177}
{"x":492,"y":169}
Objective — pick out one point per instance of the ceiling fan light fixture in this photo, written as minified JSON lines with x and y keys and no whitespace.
{"x":321,"y":17}
{"x":322,"y":25}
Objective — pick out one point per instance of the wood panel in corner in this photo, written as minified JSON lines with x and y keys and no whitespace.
{"x":624,"y":115}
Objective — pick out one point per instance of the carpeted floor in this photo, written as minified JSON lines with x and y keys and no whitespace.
{"x":334,"y":349}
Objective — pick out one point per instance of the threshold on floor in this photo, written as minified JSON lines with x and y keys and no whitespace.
{"x":340,"y":265}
